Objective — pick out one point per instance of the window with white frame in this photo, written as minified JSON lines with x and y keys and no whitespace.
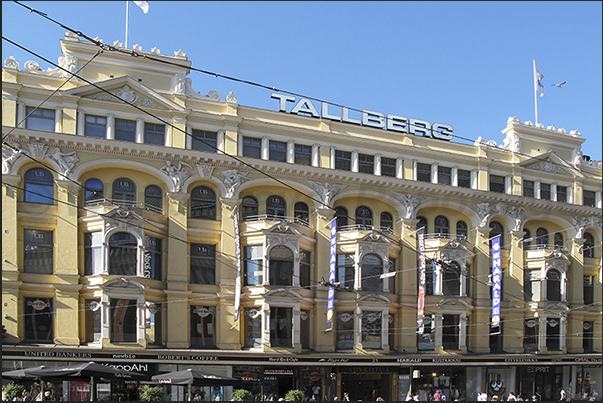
{"x":125,"y":130}
{"x":203,"y":140}
{"x":92,"y":320}
{"x":124,"y":192}
{"x":203,"y":203}
{"x":253,"y":327}
{"x":123,"y":254}
{"x":388,"y":167}
{"x":553,"y":334}
{"x":366,"y":163}
{"x":38,"y":251}
{"x":530,"y":335}
{"x":281,"y":326}
{"x":372,"y":269}
{"x":305,"y":325}
{"x":346,"y":270}
{"x":444,"y":175}
{"x":531,"y":285}
{"x":281,"y":266}
{"x":303,"y":154}
{"x":588,"y":336}
{"x":93,"y":253}
{"x":93,"y":193}
{"x":38,"y":320}
{"x":451,"y":331}
{"x":95,"y":126}
{"x":40,"y":119}
{"x":277,"y":151}
{"x":153,"y":323}
{"x":497,"y":183}
{"x":423,"y":172}
{"x":276,"y":207}
{"x":372,"y":324}
{"x":464,"y":178}
{"x":553,"y":285}
{"x":123,"y":320}
{"x":252,"y":147}
{"x":427,"y":333}
{"x":203,"y":264}
{"x":253,"y":264}
{"x":39,"y":186}
{"x":203,"y":326}
{"x":343,"y":160}
{"x":344,"y":330}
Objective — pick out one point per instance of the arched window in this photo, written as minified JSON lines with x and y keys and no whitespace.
{"x":542,"y":237}
{"x":422,"y":223}
{"x":301,"y":213}
{"x":497,"y":228}
{"x":342,"y":217}
{"x":153,"y":198}
{"x":527,"y":238}
{"x":203,"y":203}
{"x":281,"y":266}
{"x":589,"y":245}
{"x":94,"y":192}
{"x":442,"y":226}
{"x":123,"y":249}
{"x":462,"y":231}
{"x":559,"y":240}
{"x":250,"y":208}
{"x":372,"y":269}
{"x":39,"y":186}
{"x":387,"y":221}
{"x":553,"y":285}
{"x":276,"y":207}
{"x":124,"y":192}
{"x":364,"y":217}
{"x":451,"y":280}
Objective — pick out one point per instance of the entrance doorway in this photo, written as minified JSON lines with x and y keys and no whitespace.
{"x":366,"y":387}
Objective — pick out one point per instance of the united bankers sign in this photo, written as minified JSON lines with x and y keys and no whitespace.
{"x":304,"y":106}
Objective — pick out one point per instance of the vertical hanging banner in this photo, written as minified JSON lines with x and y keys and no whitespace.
{"x":496,"y":281}
{"x":237,"y":239}
{"x":332,"y":270}
{"x":422,"y":268}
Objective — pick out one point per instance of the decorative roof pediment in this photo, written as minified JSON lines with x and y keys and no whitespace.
{"x":551,"y":163}
{"x":125,"y":90}
{"x":454,"y":245}
{"x":123,"y":283}
{"x":556,"y":308}
{"x":454,"y":302}
{"x":375,"y":237}
{"x":282,"y":228}
{"x":556,"y":260}
{"x":123,"y":213}
{"x":283,"y":293}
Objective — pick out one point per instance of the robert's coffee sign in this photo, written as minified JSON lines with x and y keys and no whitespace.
{"x":402,"y":124}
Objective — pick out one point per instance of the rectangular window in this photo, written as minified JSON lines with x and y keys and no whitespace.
{"x":154,"y":134}
{"x":545,"y":191}
{"x":38,"y":320}
{"x":450,"y":332}
{"x":391,"y":332}
{"x":93,"y":320}
{"x":252,"y":147}
{"x":304,"y":333}
{"x":203,"y":264}
{"x":553,"y":334}
{"x":303,"y":154}
{"x":444,"y":175}
{"x":343,"y":160}
{"x":345,"y":330}
{"x":589,"y":290}
{"x":562,"y":194}
{"x":497,"y":183}
{"x":366,"y":163}
{"x":204,"y":141}
{"x":531,"y":285}
{"x":95,"y":126}
{"x":588,"y":198}
{"x":253,"y":327}
{"x":528,"y":188}
{"x":277,"y":151}
{"x":153,"y":325}
{"x":426,"y":336}
{"x":423,"y":172}
{"x":496,"y":339}
{"x":388,"y":167}
{"x":305,"y":268}
{"x":371,"y":329}
{"x":93,"y":249}
{"x":203,"y":326}
{"x":588,"y":337}
{"x":464,"y":178}
{"x":38,"y":251}
{"x":152,"y":257}
{"x":281,"y":327}
{"x":122,"y":316}
{"x":125,"y":130}
{"x":345,"y":270}
{"x":530,"y":335}
{"x":392,"y":279}
{"x":40,"y":119}
{"x":253,"y":256}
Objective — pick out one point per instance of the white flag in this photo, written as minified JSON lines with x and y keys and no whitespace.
{"x":143,"y":5}
{"x":538,"y":81}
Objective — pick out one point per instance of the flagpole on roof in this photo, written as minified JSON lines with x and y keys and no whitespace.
{"x":127,"y":13}
{"x":535,"y":93}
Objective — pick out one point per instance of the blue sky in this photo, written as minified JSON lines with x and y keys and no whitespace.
{"x":466,"y":64}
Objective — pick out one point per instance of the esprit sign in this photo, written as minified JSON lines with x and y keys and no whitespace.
{"x":378,"y":120}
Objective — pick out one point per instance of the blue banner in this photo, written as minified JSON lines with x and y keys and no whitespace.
{"x":496,"y":281}
{"x":332,"y":270}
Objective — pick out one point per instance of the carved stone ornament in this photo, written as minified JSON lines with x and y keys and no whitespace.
{"x":9,"y":156}
{"x":67,"y":66}
{"x":518,"y":215}
{"x":38,"y":150}
{"x":11,"y":63}
{"x":547,"y":166}
{"x":187,"y":86}
{"x":177,"y":173}
{"x":231,"y":98}
{"x":410,"y":203}
{"x":126,"y":95}
{"x":205,"y":171}
{"x":233,"y":178}
{"x":326,"y":191}
{"x":65,"y":160}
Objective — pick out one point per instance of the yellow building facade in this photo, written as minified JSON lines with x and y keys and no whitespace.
{"x":152,"y":228}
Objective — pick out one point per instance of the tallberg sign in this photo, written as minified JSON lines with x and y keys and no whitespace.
{"x":369,"y":118}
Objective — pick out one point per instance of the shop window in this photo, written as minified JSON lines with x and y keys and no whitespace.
{"x":343,"y":160}
{"x":345,"y":270}
{"x":588,"y":337}
{"x":38,"y":320}
{"x":124,"y":192}
{"x":281,"y":327}
{"x":426,"y":335}
{"x":422,"y":223}
{"x":588,"y":249}
{"x":345,"y":330}
{"x":123,"y":320}
{"x":497,"y":228}
{"x":93,"y":253}
{"x":281,"y":266}
{"x":203,"y":203}
{"x":589,"y":290}
{"x":450,"y":332}
{"x":253,"y":256}
{"x":366,"y":163}
{"x":341,"y":214}
{"x":253,"y":327}
{"x":152,"y":257}
{"x":303,"y":154}
{"x":123,"y":252}
{"x":558,"y":239}
{"x":38,"y":251}
{"x":95,"y":126}
{"x":125,"y":130}
{"x":94,"y":192}
{"x":372,"y":269}
{"x":562,"y":194}
{"x":364,"y":217}
{"x":553,"y":285}
{"x":277,"y":151}
{"x":553,"y":326}
{"x":542,"y":238}
{"x":39,"y":186}
{"x":451,"y":279}
{"x":462,"y":231}
{"x":153,"y":199}
{"x":423,"y":172}
{"x":204,"y":141}
{"x":528,"y":188}
{"x":153,"y":323}
{"x":588,"y":198}
{"x":305,"y":268}
{"x":388,"y":167}
{"x":154,"y":134}
{"x":545,"y":191}
{"x":250,"y":209}
{"x":497,"y":183}
{"x":530,"y":335}
{"x":39,"y":119}
{"x":252,"y":147}
{"x":531,"y":285}
{"x":301,"y":213}
{"x":464,"y":178}
{"x":203,"y":264}
{"x":496,"y":339}
{"x":203,"y":326}
{"x":276,"y":208}
{"x":441,"y":225}
{"x":93,"y":320}
{"x":387,"y":222}
{"x":444,"y":175}
{"x":371,"y":329}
